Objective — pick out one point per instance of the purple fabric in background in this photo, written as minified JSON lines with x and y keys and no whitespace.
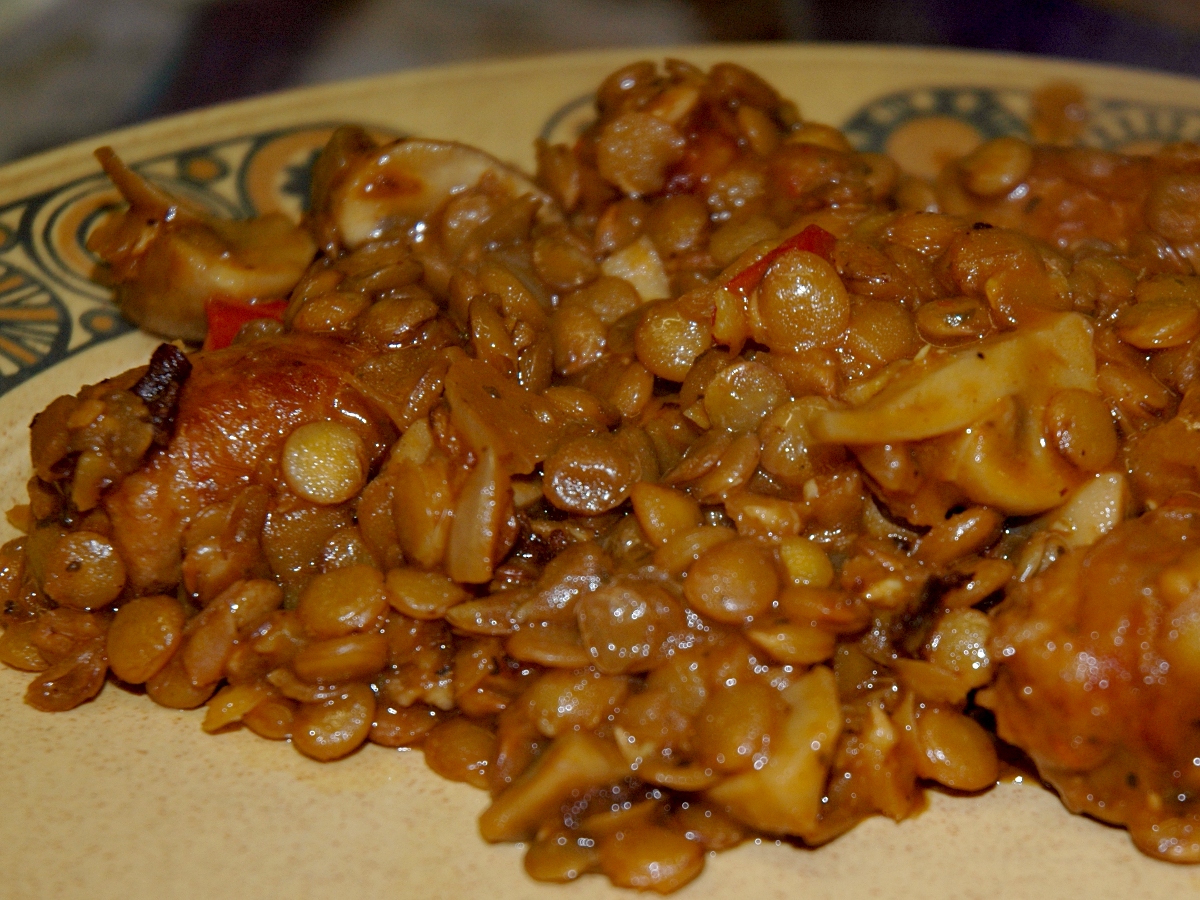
{"x":235,"y":49}
{"x":239,"y":48}
{"x":1047,"y":27}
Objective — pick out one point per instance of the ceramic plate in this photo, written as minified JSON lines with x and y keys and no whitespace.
{"x":123,"y":799}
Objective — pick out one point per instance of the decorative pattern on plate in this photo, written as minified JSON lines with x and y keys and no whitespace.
{"x":568,"y":121}
{"x":988,"y":113}
{"x":926,"y":126}
{"x":1125,"y":125}
{"x":50,"y":308}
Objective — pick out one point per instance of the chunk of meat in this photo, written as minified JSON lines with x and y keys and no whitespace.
{"x":1068,"y":196}
{"x":1099,"y":679}
{"x":235,"y":412}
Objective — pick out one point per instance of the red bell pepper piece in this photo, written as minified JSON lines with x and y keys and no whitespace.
{"x":814,"y":239}
{"x":225,"y":317}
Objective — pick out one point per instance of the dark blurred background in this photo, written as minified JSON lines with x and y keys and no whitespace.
{"x":71,"y":68}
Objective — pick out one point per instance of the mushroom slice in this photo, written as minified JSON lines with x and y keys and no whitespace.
{"x":945,"y":391}
{"x":986,"y":404}
{"x":1002,"y":461}
{"x":492,"y":411}
{"x":168,"y":257}
{"x":408,"y":180}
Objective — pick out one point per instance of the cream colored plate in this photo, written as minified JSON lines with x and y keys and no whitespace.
{"x":123,"y":799}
